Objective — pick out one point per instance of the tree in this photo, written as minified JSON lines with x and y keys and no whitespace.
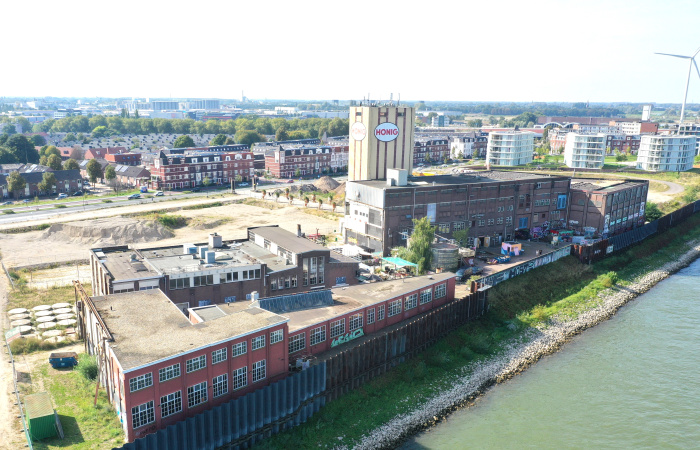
{"x":100,"y":131}
{"x":230,"y":141}
{"x":461,"y":237}
{"x":475,"y":123}
{"x":110,"y":174}
{"x":653,"y":212}
{"x":334,"y":205}
{"x":249,"y":137}
{"x":219,"y":139}
{"x":70,"y":137}
{"x":291,"y":199}
{"x":136,"y":114}
{"x":47,"y":183}
{"x":49,"y":150}
{"x":71,"y":164}
{"x":23,"y":149}
{"x":54,"y":162}
{"x":286,"y":193}
{"x":9,"y":129}
{"x":7,"y":157}
{"x":94,"y":170}
{"x":306,"y":201}
{"x":38,"y":140}
{"x":297,"y":173}
{"x":277,"y":195}
{"x":15,"y":183}
{"x":420,"y":243}
{"x":281,"y":134}
{"x":184,"y":141}
{"x":320,"y":203}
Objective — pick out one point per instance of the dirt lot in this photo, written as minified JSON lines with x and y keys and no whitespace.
{"x":230,"y":221}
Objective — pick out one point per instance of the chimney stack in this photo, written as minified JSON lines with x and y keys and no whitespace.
{"x":298,"y":230}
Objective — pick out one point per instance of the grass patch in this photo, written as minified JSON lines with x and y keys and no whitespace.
{"x":658,"y":187}
{"x":61,"y":206}
{"x":24,"y":346}
{"x":204,"y":205}
{"x":106,"y":200}
{"x":87,"y":366}
{"x":85,"y":426}
{"x":270,"y":203}
{"x":8,"y":211}
{"x":18,"y":230}
{"x":24,"y":297}
{"x":322,"y":213}
{"x":171,"y":220}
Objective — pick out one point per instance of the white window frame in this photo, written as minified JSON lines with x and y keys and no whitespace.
{"x":441,"y":290}
{"x":297,"y":342}
{"x":142,"y":415}
{"x":257,"y":342}
{"x":337,"y":328}
{"x":355,"y":322}
{"x":259,"y":371}
{"x":276,"y":336}
{"x":240,"y":378}
{"x":317,"y":335}
{"x":380,"y":312}
{"x":426,"y":296}
{"x":168,"y":373}
{"x":218,"y":356}
{"x":194,"y":392}
{"x":194,"y":364}
{"x":239,"y":349}
{"x":370,"y":316}
{"x":141,"y":382}
{"x":170,"y":404}
{"x":394,"y":308}
{"x":411,"y":302}
{"x":219,"y":385}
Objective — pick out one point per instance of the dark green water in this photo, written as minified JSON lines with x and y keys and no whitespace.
{"x":631,"y":382}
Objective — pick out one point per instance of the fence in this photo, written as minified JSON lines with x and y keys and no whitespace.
{"x":492,"y":280}
{"x":599,"y":250}
{"x":16,"y":392}
{"x":245,"y":420}
{"x":355,"y":366}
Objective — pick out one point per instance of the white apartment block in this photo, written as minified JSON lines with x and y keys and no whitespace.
{"x":510,"y":148}
{"x":585,"y":151}
{"x":691,"y":129}
{"x":666,"y":153}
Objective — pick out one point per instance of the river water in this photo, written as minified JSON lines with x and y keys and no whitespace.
{"x":630,"y":382}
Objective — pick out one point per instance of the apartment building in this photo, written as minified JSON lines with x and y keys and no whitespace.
{"x":510,"y":148}
{"x":666,"y":153}
{"x":427,"y":150}
{"x":190,"y":169}
{"x":585,"y":151}
{"x":284,"y":162}
{"x":471,"y":145}
{"x":635,"y":126}
{"x":492,"y":205}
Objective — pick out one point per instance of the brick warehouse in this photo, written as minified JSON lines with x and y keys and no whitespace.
{"x":272,"y":261}
{"x":493,"y":205}
{"x":217,"y":353}
{"x":610,"y":209}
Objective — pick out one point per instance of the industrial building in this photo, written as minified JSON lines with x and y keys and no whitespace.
{"x":216,"y":353}
{"x":381,"y":138}
{"x":607,"y":208}
{"x":492,"y":205}
{"x":272,"y":261}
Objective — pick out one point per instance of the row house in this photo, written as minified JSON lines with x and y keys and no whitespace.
{"x":272,"y":261}
{"x":67,"y":182}
{"x":83,"y":168}
{"x":126,"y":159}
{"x":189,"y":170}
{"x":492,"y":205}
{"x":430,"y":150}
{"x":132,"y":176}
{"x":340,"y":153}
{"x":471,"y":145}
{"x":216,"y":353}
{"x":625,"y":143}
{"x":100,"y":153}
{"x":284,"y":162}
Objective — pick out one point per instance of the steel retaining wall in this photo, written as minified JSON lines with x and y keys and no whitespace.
{"x":245,"y":420}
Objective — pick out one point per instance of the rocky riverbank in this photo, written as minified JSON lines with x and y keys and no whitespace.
{"x":524,"y":351}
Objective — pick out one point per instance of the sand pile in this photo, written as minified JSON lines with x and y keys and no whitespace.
{"x":302,"y":188}
{"x":340,"y":190}
{"x":326,"y":184}
{"x":108,"y":231}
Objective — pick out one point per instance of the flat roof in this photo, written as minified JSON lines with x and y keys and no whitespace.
{"x":604,"y":185}
{"x":460,"y":179}
{"x":350,"y":298}
{"x":147,"y":327}
{"x":121,"y":266}
{"x":287,"y":239}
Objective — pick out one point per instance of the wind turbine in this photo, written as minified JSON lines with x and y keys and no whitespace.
{"x":687,"y":82}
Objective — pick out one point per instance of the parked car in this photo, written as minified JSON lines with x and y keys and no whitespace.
{"x":60,"y":196}
{"x":78,"y":194}
{"x":290,"y":181}
{"x":243,"y":184}
{"x":159,"y":194}
{"x":26,"y":200}
{"x":196,"y":189}
{"x":7,"y":203}
{"x":134,"y":196}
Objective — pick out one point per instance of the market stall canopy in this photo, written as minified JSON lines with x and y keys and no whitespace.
{"x":399,"y":262}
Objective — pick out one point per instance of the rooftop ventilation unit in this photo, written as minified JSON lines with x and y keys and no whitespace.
{"x":210,"y":257}
{"x":215,"y":240}
{"x":202,"y":252}
{"x":189,"y":249}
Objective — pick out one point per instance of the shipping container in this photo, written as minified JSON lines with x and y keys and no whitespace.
{"x":40,"y":415}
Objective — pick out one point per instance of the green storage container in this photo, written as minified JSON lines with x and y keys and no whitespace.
{"x":40,"y":416}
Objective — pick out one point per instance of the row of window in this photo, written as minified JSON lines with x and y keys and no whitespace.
{"x":197,"y":394}
{"x":200,"y":362}
{"x":355,"y":321}
{"x":207,"y":280}
{"x":283,"y":283}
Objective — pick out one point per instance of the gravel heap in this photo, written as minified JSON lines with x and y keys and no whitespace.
{"x":522,"y":352}
{"x":112,"y":230}
{"x":326,"y":184}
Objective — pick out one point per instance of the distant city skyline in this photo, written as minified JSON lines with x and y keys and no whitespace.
{"x":542,"y":51}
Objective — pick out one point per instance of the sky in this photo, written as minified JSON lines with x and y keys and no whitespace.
{"x":498,"y":50}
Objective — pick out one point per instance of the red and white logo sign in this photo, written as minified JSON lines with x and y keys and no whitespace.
{"x":386,"y":132}
{"x":358,"y":131}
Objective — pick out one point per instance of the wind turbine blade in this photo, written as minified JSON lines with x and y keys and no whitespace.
{"x":696,"y":52}
{"x":696,"y":67}
{"x":675,"y":56}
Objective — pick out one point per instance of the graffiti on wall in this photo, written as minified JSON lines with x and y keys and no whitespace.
{"x":525,"y":267}
{"x":347,"y":337}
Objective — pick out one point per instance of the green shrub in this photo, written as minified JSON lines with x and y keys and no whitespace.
{"x":61,"y":206}
{"x":203,"y":206}
{"x":8,"y":211}
{"x":479,"y":344}
{"x":171,"y":220}
{"x":87,"y":366}
{"x":540,"y":314}
{"x":24,"y":345}
{"x":106,"y":200}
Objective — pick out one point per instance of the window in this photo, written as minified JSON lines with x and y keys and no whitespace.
{"x":170,"y":404}
{"x":318,"y":335}
{"x":499,"y":221}
{"x":441,"y":290}
{"x":142,"y":415}
{"x":276,"y":336}
{"x":259,"y":371}
{"x":239,"y":349}
{"x":561,"y":201}
{"x":426,"y":296}
{"x":355,"y":322}
{"x":179,"y":283}
{"x":294,"y":281}
{"x":394,"y":308}
{"x":218,"y":355}
{"x":168,"y":373}
{"x":141,"y":382}
{"x":444,"y":228}
{"x":197,"y":363}
{"x":257,"y":342}
{"x":380,"y":312}
{"x":240,"y":378}
{"x":411,"y":302}
{"x":509,"y":220}
{"x":481,"y":223}
{"x":490,"y":221}
{"x":457,"y":226}
{"x":220,"y":385}
{"x":337,"y":328}
{"x":197,"y":394}
{"x":297,"y":342}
